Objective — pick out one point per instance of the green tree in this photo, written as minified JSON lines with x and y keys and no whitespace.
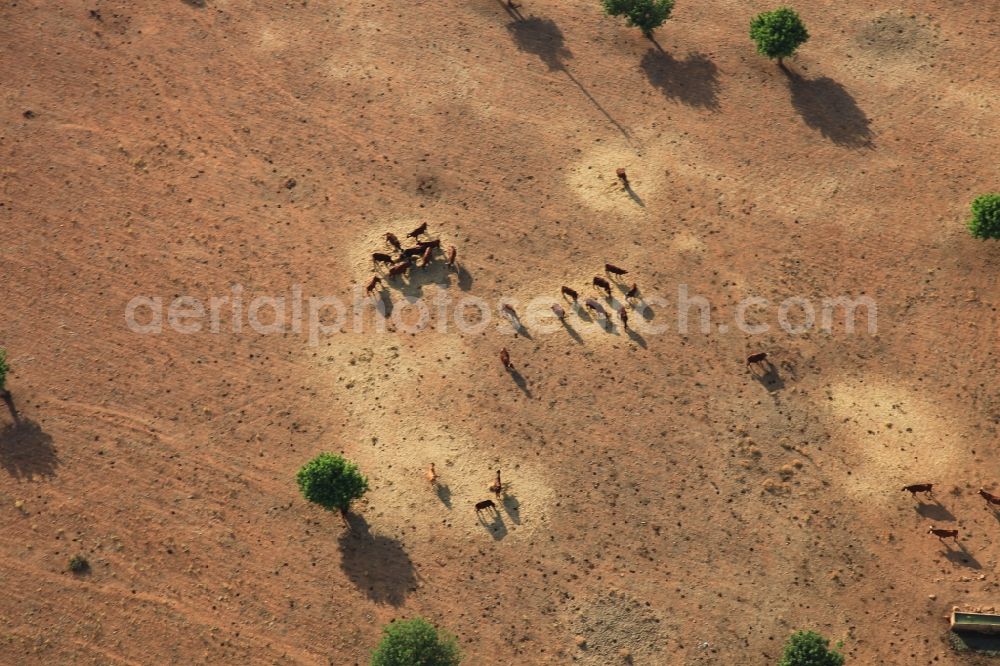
{"x":332,"y":482}
{"x":807,"y":648}
{"x":4,"y":369}
{"x":647,"y":15}
{"x":985,"y":222}
{"x":415,"y":642}
{"x":778,"y":33}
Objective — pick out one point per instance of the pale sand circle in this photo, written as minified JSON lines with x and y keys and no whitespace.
{"x":379,"y":382}
{"x":593,"y":178}
{"x":900,"y":437}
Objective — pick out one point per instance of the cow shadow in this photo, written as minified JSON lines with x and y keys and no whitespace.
{"x":571,"y":331}
{"x":826,"y":106}
{"x":520,"y":381}
{"x":443,"y":493}
{"x":935,"y":511}
{"x":464,"y":279}
{"x":637,"y":338}
{"x":376,"y":564}
{"x":495,"y":526}
{"x":26,"y":451}
{"x":512,"y":507}
{"x":693,"y":81}
{"x":768,"y":377}
{"x":962,"y":557}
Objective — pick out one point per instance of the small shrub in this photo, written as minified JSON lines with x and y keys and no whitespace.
{"x":332,"y":482}
{"x":78,"y":564}
{"x":647,"y":15}
{"x":415,"y":642}
{"x":807,"y":648}
{"x":778,"y":33}
{"x":985,"y":222}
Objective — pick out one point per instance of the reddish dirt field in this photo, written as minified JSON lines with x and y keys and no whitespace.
{"x":662,"y":500}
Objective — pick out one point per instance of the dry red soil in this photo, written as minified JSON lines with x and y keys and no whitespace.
{"x":661,"y":499}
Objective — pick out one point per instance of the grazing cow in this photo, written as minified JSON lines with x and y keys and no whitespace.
{"x":633,"y":292}
{"x":596,"y":307}
{"x":509,"y":311}
{"x":566,"y":291}
{"x":382,"y":258}
{"x":484,"y":505}
{"x":622,"y":177}
{"x":623,"y":316}
{"x":756,"y":358}
{"x":432,"y":476}
{"x":418,"y":231}
{"x":426,"y":258}
{"x":496,"y":487}
{"x":926,"y":488}
{"x":559,"y":311}
{"x":431,"y":243}
{"x":505,"y":359}
{"x":601,"y":283}
{"x":989,"y":497}
{"x":411,"y":252}
{"x":452,"y":253}
{"x":614,"y":270}
{"x":399,"y":269}
{"x":376,"y":280}
{"x":391,"y":239}
{"x":943,"y":534}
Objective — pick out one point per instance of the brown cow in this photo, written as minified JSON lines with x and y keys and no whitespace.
{"x":509,"y":311}
{"x":418,"y":231}
{"x":566,"y":291}
{"x":399,"y":269}
{"x":391,"y":239}
{"x":496,"y":487}
{"x":411,"y":252}
{"x":432,"y":476}
{"x":596,"y":307}
{"x":559,"y":311}
{"x":376,"y":280}
{"x":382,"y":258}
{"x":484,"y":505}
{"x":633,"y":292}
{"x":943,"y":534}
{"x":623,"y":316}
{"x":926,"y":488}
{"x":756,"y":358}
{"x":452,"y":253}
{"x":622,"y":177}
{"x":431,"y":243}
{"x":505,"y":359}
{"x":601,"y":283}
{"x":614,"y":270}
{"x":426,"y":258}
{"x":989,"y":497}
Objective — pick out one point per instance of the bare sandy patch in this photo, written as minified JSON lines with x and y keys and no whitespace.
{"x":900,"y":437}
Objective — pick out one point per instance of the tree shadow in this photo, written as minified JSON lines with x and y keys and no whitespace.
{"x":26,"y":450}
{"x":693,"y":81}
{"x":541,"y":37}
{"x":826,"y":106}
{"x":444,"y":494}
{"x":936,"y":512}
{"x":496,"y":526}
{"x":376,"y":564}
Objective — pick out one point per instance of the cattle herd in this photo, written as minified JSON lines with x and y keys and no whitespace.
{"x":401,"y":261}
{"x":927,"y":489}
